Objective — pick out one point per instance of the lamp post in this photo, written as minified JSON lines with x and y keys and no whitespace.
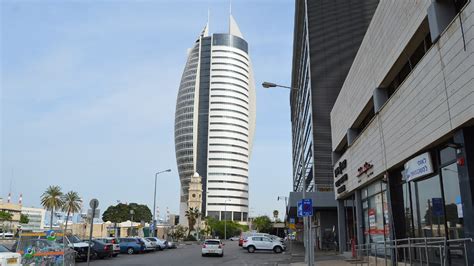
{"x":225,"y":218}
{"x":154,"y":202}
{"x":309,"y":250}
{"x":132,"y":212}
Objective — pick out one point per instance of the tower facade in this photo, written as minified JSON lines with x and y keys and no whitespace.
{"x":195,"y":192}
{"x":215,"y":123}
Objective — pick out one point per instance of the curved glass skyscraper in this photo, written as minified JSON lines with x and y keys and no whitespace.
{"x":215,"y":123}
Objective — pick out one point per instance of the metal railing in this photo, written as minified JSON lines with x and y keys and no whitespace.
{"x":414,"y":251}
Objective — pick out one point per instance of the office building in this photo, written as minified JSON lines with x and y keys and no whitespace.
{"x":403,"y":130}
{"x":327,"y":35}
{"x":36,"y":217}
{"x":215,"y":123}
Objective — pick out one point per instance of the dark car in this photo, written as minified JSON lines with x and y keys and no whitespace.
{"x":100,"y":249}
{"x":131,"y":245}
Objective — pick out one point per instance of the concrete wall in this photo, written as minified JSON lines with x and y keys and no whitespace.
{"x":436,"y":98}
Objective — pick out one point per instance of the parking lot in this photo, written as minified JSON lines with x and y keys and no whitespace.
{"x":191,"y":255}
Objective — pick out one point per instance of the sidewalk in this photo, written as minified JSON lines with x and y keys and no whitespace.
{"x":321,"y":258}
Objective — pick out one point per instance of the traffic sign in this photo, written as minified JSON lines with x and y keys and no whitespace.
{"x":307,"y":207}
{"x":300,"y":208}
{"x":94,"y":203}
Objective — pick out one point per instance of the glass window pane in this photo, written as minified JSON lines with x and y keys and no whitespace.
{"x":431,"y":216}
{"x":452,"y":198}
{"x":447,"y":155}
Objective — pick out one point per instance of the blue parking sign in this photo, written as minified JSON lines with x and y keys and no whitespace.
{"x":300,"y":209}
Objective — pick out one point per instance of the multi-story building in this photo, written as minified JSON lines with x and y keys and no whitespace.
{"x":327,"y":35}
{"x":215,"y":123}
{"x":15,"y":210}
{"x":403,"y":129}
{"x":36,"y":218}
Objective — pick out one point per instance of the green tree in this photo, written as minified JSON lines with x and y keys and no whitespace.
{"x":52,"y":199}
{"x":121,"y":213}
{"x":179,"y":232}
{"x":5,"y":216}
{"x":217,"y":228}
{"x":193,"y":215}
{"x":24,"y":219}
{"x":72,"y":204}
{"x":263,"y":224}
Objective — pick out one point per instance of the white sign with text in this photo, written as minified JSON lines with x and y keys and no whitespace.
{"x":418,"y":167}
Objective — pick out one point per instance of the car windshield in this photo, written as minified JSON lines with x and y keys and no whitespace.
{"x":212,"y":242}
{"x":151,"y":239}
{"x":74,"y":239}
{"x":4,"y":249}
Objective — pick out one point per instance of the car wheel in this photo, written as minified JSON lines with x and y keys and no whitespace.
{"x":130,"y":251}
{"x":221,"y":255}
{"x":203,"y":255}
{"x":277,"y":249}
{"x":115,"y":255}
{"x":251,"y":249}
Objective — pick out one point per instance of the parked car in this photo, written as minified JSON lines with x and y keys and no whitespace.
{"x":75,"y":243}
{"x":115,"y":244}
{"x":212,"y":247}
{"x":171,"y":245}
{"x":253,"y":243}
{"x":9,"y":258}
{"x":6,"y":235}
{"x":160,"y":244}
{"x":131,"y":245}
{"x":100,"y":249}
{"x":149,"y":245}
{"x":234,"y":238}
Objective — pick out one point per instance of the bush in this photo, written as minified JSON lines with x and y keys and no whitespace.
{"x":190,"y":238}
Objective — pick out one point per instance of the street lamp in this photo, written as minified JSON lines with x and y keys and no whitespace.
{"x":307,"y":234}
{"x":154,"y":202}
{"x":225,"y":218}
{"x":132,"y":212}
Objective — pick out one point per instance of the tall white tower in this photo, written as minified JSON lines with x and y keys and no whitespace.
{"x":215,"y":123}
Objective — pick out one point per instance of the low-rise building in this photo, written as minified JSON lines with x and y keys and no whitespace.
{"x":15,"y":210}
{"x":403,"y":128}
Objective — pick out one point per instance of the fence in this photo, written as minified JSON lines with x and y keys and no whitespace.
{"x":42,"y":248}
{"x":415,"y":251}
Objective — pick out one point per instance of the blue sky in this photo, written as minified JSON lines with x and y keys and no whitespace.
{"x":88,"y":92}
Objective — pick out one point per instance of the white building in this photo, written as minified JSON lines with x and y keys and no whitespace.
{"x":403,"y":127}
{"x":215,"y":123}
{"x":36,"y":218}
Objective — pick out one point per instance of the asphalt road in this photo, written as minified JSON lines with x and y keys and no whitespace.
{"x":191,"y":255}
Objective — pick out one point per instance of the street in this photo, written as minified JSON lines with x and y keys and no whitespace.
{"x":191,"y":255}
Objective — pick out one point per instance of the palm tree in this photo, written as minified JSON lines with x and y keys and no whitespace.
{"x":193,"y":214}
{"x":72,"y":204}
{"x":52,"y":199}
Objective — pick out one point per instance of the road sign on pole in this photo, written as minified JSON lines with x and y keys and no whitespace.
{"x":94,"y":203}
{"x":300,"y":208}
{"x":307,"y":206}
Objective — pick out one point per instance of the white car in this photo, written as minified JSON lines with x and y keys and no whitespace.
{"x":212,"y":247}
{"x":253,"y":243}
{"x":9,"y":258}
{"x":234,"y":238}
{"x":149,"y":245}
{"x":160,"y":244}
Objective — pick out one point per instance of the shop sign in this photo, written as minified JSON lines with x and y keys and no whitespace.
{"x":418,"y":167}
{"x":372,"y":221}
{"x":365,"y":169}
{"x":459,"y":206}
{"x":340,"y":168}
